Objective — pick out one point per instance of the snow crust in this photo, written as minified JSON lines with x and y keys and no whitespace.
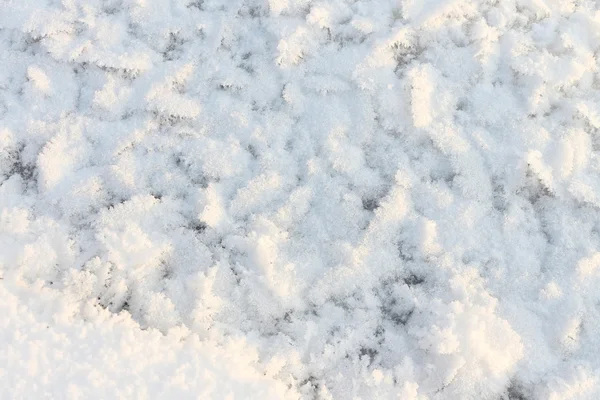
{"x":278,"y":199}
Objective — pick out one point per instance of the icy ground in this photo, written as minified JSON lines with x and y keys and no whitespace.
{"x":283,"y":199}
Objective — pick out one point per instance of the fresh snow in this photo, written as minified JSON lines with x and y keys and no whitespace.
{"x":300,"y":199}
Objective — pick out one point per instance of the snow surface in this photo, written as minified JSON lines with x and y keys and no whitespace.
{"x":280,"y":199}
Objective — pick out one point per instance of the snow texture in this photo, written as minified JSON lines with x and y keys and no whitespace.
{"x":303,"y":199}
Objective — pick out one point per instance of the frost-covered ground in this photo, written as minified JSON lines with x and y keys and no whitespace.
{"x":300,"y":199}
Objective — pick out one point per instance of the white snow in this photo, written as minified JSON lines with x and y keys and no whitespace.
{"x":332,"y":199}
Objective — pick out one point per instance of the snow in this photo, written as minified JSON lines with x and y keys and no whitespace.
{"x":330,"y":199}
{"x":46,"y":353}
